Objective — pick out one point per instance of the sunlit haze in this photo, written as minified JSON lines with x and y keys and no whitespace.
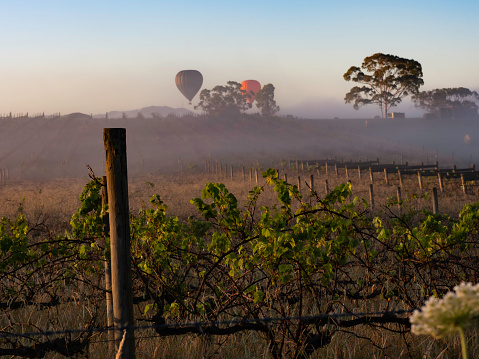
{"x":97,"y":56}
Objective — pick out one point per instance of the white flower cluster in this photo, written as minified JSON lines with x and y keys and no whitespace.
{"x":453,"y":312}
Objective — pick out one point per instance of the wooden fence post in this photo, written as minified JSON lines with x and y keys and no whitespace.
{"x":439,"y":177}
{"x":371,"y":174}
{"x":285,"y":177}
{"x":108,"y":294}
{"x":117,"y":185}
{"x":326,"y":186}
{"x":231,"y":171}
{"x":435,"y":204}
{"x":463,"y":184}
{"x":419,"y":179}
{"x":399,"y":199}
{"x":346,"y":172}
{"x":336,"y":169}
{"x":299,"y":183}
{"x":326,"y":169}
{"x":400,"y":178}
{"x":386,"y":177}
{"x":371,"y":196}
{"x":359,"y":172}
{"x":243,"y":172}
{"x":256,"y":175}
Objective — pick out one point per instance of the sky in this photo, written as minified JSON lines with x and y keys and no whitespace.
{"x":94,"y":56}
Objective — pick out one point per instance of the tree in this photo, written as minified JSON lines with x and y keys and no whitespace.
{"x":388,"y":79}
{"x":226,"y":100}
{"x":448,"y":102}
{"x":265,"y":100}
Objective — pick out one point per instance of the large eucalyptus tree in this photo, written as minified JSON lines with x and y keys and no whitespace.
{"x":386,"y":80}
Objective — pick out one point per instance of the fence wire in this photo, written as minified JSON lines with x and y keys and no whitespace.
{"x":199,"y":325}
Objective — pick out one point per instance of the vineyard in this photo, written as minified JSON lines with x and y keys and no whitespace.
{"x":240,"y":261}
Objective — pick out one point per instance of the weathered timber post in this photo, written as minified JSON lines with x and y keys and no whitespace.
{"x":386,"y":177}
{"x":400,"y":178}
{"x":463,"y":184}
{"x":117,"y":185}
{"x":251,"y":174}
{"x":243,"y":173}
{"x":439,"y":177}
{"x":285,"y":177}
{"x":318,"y":169}
{"x":346,"y":172}
{"x":326,"y":186}
{"x":359,"y":172}
{"x":299,"y":184}
{"x":231,"y":171}
{"x":435,"y":204}
{"x":399,"y":199}
{"x":419,"y":179}
{"x":108,"y":294}
{"x":336,"y":169}
{"x":371,"y":174}
{"x":326,"y":169}
{"x":371,"y":196}
{"x":311,"y":182}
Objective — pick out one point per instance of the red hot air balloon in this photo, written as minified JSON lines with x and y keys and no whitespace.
{"x":189,"y":83}
{"x":251,"y":87}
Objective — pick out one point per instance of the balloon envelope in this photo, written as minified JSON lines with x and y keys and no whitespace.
{"x":189,"y":83}
{"x":251,"y":87}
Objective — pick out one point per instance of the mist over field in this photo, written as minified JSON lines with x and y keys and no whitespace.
{"x":61,"y":147}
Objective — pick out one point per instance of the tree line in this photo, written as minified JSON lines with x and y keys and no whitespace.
{"x":387,"y":79}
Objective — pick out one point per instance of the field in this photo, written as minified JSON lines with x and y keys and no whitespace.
{"x":46,"y":186}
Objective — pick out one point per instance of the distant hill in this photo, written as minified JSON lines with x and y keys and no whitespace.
{"x":147,"y":112}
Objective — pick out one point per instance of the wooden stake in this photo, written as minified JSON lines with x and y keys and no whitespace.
{"x":439,"y":177}
{"x":117,"y":186}
{"x":371,"y":196}
{"x":435,"y":203}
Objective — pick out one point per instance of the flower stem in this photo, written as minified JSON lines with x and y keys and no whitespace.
{"x":463,"y":342}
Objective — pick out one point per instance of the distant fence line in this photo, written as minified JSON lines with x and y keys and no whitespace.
{"x":26,"y":115}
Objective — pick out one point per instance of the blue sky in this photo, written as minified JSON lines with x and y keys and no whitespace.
{"x":96,"y":56}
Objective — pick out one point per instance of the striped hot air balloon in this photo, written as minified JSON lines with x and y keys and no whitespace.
{"x":189,"y":83}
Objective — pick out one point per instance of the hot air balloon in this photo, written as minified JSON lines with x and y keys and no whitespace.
{"x":251,"y":87}
{"x":189,"y":83}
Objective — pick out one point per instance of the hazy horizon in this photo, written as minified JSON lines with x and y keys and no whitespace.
{"x":93,"y":57}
